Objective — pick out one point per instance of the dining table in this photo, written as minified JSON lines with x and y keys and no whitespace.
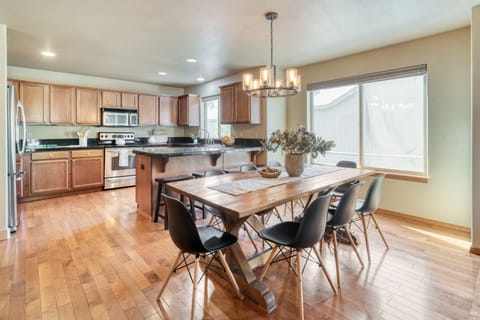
{"x":247,"y":196}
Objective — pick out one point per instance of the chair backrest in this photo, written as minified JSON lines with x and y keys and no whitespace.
{"x":247,"y":167}
{"x":181,"y":227}
{"x":274,"y":163}
{"x":374,"y":194}
{"x":346,"y":206}
{"x":346,"y":164}
{"x":213,"y":172}
{"x":313,"y":224}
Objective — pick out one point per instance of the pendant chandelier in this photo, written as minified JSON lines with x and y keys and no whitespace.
{"x":267,"y":84}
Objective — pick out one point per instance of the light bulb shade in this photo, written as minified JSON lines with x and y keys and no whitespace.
{"x":255,"y":84}
{"x":299,"y":83}
{"x":266,"y":77}
{"x":278,"y":84}
{"x":247,"y":81}
{"x":291,"y":77}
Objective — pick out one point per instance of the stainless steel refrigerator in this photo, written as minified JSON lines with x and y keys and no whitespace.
{"x":16,"y":138}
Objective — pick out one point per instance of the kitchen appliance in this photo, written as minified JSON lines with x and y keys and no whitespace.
{"x":119,"y":117}
{"x":15,"y":145}
{"x":119,"y":161}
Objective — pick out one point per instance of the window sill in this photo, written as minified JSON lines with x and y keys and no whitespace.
{"x":405,"y":177}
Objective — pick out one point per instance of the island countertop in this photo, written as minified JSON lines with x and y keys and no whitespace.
{"x":177,"y":151}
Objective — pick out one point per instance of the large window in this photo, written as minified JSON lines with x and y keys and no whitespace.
{"x":377,"y":120}
{"x":211,"y":118}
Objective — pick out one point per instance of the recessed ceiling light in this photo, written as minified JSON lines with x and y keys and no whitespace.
{"x":48,"y":54}
{"x":191,"y":60}
{"x":200,"y":79}
{"x":162,"y":73}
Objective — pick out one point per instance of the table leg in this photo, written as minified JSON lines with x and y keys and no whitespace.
{"x":246,"y":278}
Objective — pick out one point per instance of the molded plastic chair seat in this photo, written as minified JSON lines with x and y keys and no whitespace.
{"x":299,"y":236}
{"x":366,"y":209}
{"x":340,"y":190}
{"x":198,"y":241}
{"x":339,"y":220}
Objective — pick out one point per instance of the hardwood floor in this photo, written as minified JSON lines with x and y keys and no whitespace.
{"x":91,"y":256}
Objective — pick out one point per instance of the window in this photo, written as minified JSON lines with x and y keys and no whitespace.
{"x":377,"y":120}
{"x":211,"y":118}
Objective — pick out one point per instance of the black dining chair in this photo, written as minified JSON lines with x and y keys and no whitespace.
{"x":339,"y":219}
{"x":338,"y":193}
{"x":299,"y":236}
{"x":197,"y":241}
{"x":366,"y":209}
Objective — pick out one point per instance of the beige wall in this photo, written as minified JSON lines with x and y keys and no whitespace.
{"x":51,"y":132}
{"x":447,"y":195}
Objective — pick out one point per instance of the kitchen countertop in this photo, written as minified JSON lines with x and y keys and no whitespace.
{"x":179,"y":151}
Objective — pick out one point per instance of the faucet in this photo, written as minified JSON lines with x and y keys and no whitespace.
{"x":207,"y":135}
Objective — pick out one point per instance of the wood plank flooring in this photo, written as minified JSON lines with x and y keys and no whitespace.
{"x":91,"y":256}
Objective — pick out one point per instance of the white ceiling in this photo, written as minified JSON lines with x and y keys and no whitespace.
{"x":134,"y":40}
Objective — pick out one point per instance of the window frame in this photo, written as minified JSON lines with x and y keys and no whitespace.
{"x":203,"y":122}
{"x":360,"y":80}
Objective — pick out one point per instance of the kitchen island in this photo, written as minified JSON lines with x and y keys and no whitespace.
{"x":168,"y":161}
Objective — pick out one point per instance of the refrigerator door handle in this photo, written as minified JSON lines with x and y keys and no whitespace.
{"x":21,"y":110}
{"x":20,"y":175}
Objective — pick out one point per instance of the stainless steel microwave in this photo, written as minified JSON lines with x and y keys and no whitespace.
{"x":119,"y":117}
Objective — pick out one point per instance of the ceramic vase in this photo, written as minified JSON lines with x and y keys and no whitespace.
{"x":294,"y":164}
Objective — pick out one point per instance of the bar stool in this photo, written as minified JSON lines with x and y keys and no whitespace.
{"x":161,"y":189}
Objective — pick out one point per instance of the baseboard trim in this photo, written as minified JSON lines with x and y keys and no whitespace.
{"x":424,"y":220}
{"x":475,"y":251}
{"x":4,"y":234}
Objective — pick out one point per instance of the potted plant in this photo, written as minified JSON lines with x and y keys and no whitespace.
{"x":295,"y":144}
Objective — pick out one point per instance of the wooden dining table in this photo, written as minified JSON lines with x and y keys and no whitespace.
{"x":237,"y":209}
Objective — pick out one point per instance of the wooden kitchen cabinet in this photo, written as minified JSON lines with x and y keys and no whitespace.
{"x":189,"y":110}
{"x":87,"y":168}
{"x":168,"y":111}
{"x":88,"y":106}
{"x":35,"y":98}
{"x":238,"y":107}
{"x":49,"y":172}
{"x":62,"y":105}
{"x":147,"y":110}
{"x":129,"y":100}
{"x":111,"y":99}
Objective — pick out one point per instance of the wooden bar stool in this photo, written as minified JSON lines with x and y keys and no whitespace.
{"x":162,"y":189}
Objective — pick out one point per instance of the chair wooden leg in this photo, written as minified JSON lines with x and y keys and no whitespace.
{"x":335,"y":251}
{"x":320,"y":244}
{"x":379,"y":230}
{"x":299,"y":284}
{"x":349,"y":236}
{"x":210,"y":222}
{"x":325,"y":271}
{"x":278,"y":214}
{"x":205,"y":279}
{"x":179,"y":255}
{"x":194,"y":292}
{"x":267,"y":264}
{"x":230,"y":274}
{"x":365,"y":235}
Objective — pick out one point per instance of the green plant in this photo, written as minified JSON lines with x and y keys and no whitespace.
{"x":298,"y":141}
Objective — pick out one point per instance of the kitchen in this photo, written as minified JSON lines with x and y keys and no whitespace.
{"x":447,"y":196}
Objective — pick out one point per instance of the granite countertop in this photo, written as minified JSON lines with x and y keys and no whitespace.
{"x":179,"y":151}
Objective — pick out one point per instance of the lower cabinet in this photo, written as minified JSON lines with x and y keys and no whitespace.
{"x":87,"y":169}
{"x":49,"y":172}
{"x":54,"y":173}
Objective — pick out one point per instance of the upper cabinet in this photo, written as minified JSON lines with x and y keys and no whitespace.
{"x":111,"y":99}
{"x":238,"y":107}
{"x":88,"y":106}
{"x":189,"y":110}
{"x":147,"y":109}
{"x":62,"y":105}
{"x":168,"y":111}
{"x":129,"y":100}
{"x":35,"y":98}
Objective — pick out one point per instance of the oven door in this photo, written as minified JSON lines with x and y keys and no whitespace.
{"x":119,"y":162}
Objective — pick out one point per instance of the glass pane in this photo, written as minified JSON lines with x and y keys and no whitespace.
{"x":211,"y":117}
{"x":393,"y":124}
{"x":335,"y":117}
